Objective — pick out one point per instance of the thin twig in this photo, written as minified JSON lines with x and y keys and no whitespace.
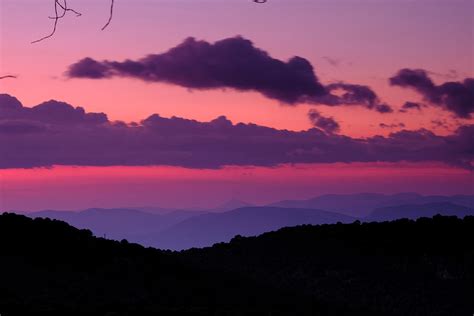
{"x":110,"y":16}
{"x":56,"y":18}
{"x":65,"y":8}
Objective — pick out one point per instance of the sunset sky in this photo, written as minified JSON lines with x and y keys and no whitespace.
{"x":403,"y":50}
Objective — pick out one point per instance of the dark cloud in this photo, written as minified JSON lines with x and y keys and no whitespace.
{"x":392,"y":126}
{"x":456,"y":97}
{"x":327,"y":124}
{"x":233,"y":63}
{"x":353,"y":94}
{"x":411,"y":105}
{"x":440,"y":124}
{"x":56,"y":133}
{"x":20,"y":127}
{"x":89,"y":68}
{"x":50,"y":112}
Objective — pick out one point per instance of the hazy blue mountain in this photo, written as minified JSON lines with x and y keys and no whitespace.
{"x":207,"y":229}
{"x":181,"y":229}
{"x":361,"y":205}
{"x":417,"y":211}
{"x":231,"y":205}
{"x":118,"y":223}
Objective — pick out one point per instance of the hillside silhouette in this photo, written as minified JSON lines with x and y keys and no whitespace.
{"x":404,"y":267}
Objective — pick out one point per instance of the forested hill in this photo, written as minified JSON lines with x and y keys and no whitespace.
{"x":423,"y":267}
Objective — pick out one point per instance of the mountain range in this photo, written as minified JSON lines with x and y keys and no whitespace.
{"x":183,"y":229}
{"x":363,"y":204}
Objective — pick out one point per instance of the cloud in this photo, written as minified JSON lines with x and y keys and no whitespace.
{"x":392,"y":126}
{"x":50,"y":112}
{"x":55,"y":133}
{"x":233,"y":63}
{"x":411,"y":105}
{"x":327,"y":124}
{"x":353,"y":94}
{"x":456,"y":97}
{"x":440,"y":124}
{"x":335,"y":62}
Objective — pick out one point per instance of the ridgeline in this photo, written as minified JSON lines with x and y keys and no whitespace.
{"x":404,"y":267}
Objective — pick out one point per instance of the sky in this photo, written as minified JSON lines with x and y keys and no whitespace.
{"x":401,"y":50}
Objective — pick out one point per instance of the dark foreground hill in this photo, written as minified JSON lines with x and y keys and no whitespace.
{"x":416,"y":211}
{"x":120,"y":223}
{"x":423,"y":267}
{"x":362,"y":204}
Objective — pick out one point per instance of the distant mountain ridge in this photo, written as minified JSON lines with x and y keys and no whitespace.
{"x":415,"y":211}
{"x":362,"y":204}
{"x":118,"y":223}
{"x":207,"y":229}
{"x":182,"y":229}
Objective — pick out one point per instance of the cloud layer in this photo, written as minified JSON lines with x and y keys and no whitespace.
{"x":55,"y":133}
{"x":233,"y":63}
{"x":456,"y":97}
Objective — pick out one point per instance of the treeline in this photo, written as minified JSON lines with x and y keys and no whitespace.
{"x":422,"y":267}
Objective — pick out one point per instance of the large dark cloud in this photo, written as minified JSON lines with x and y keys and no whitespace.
{"x":233,"y":63}
{"x":56,"y":133}
{"x":457,"y":97}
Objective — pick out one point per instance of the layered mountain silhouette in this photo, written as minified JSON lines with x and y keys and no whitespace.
{"x":207,"y":229}
{"x":119,"y":223}
{"x":415,"y":211}
{"x":405,"y":267}
{"x":361,"y":205}
{"x":182,"y":229}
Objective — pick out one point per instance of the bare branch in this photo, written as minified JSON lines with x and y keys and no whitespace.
{"x":110,"y":16}
{"x":57,"y":6}
{"x":64,"y":7}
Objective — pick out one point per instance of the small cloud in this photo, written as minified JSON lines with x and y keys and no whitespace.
{"x":335,"y":62}
{"x":327,"y":124}
{"x":392,"y":126}
{"x":456,"y":97}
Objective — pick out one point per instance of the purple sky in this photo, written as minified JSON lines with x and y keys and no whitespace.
{"x":356,"y":59}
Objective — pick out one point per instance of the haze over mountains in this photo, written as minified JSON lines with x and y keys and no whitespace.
{"x":208,"y":229}
{"x":363,"y":204}
{"x":183,"y":229}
